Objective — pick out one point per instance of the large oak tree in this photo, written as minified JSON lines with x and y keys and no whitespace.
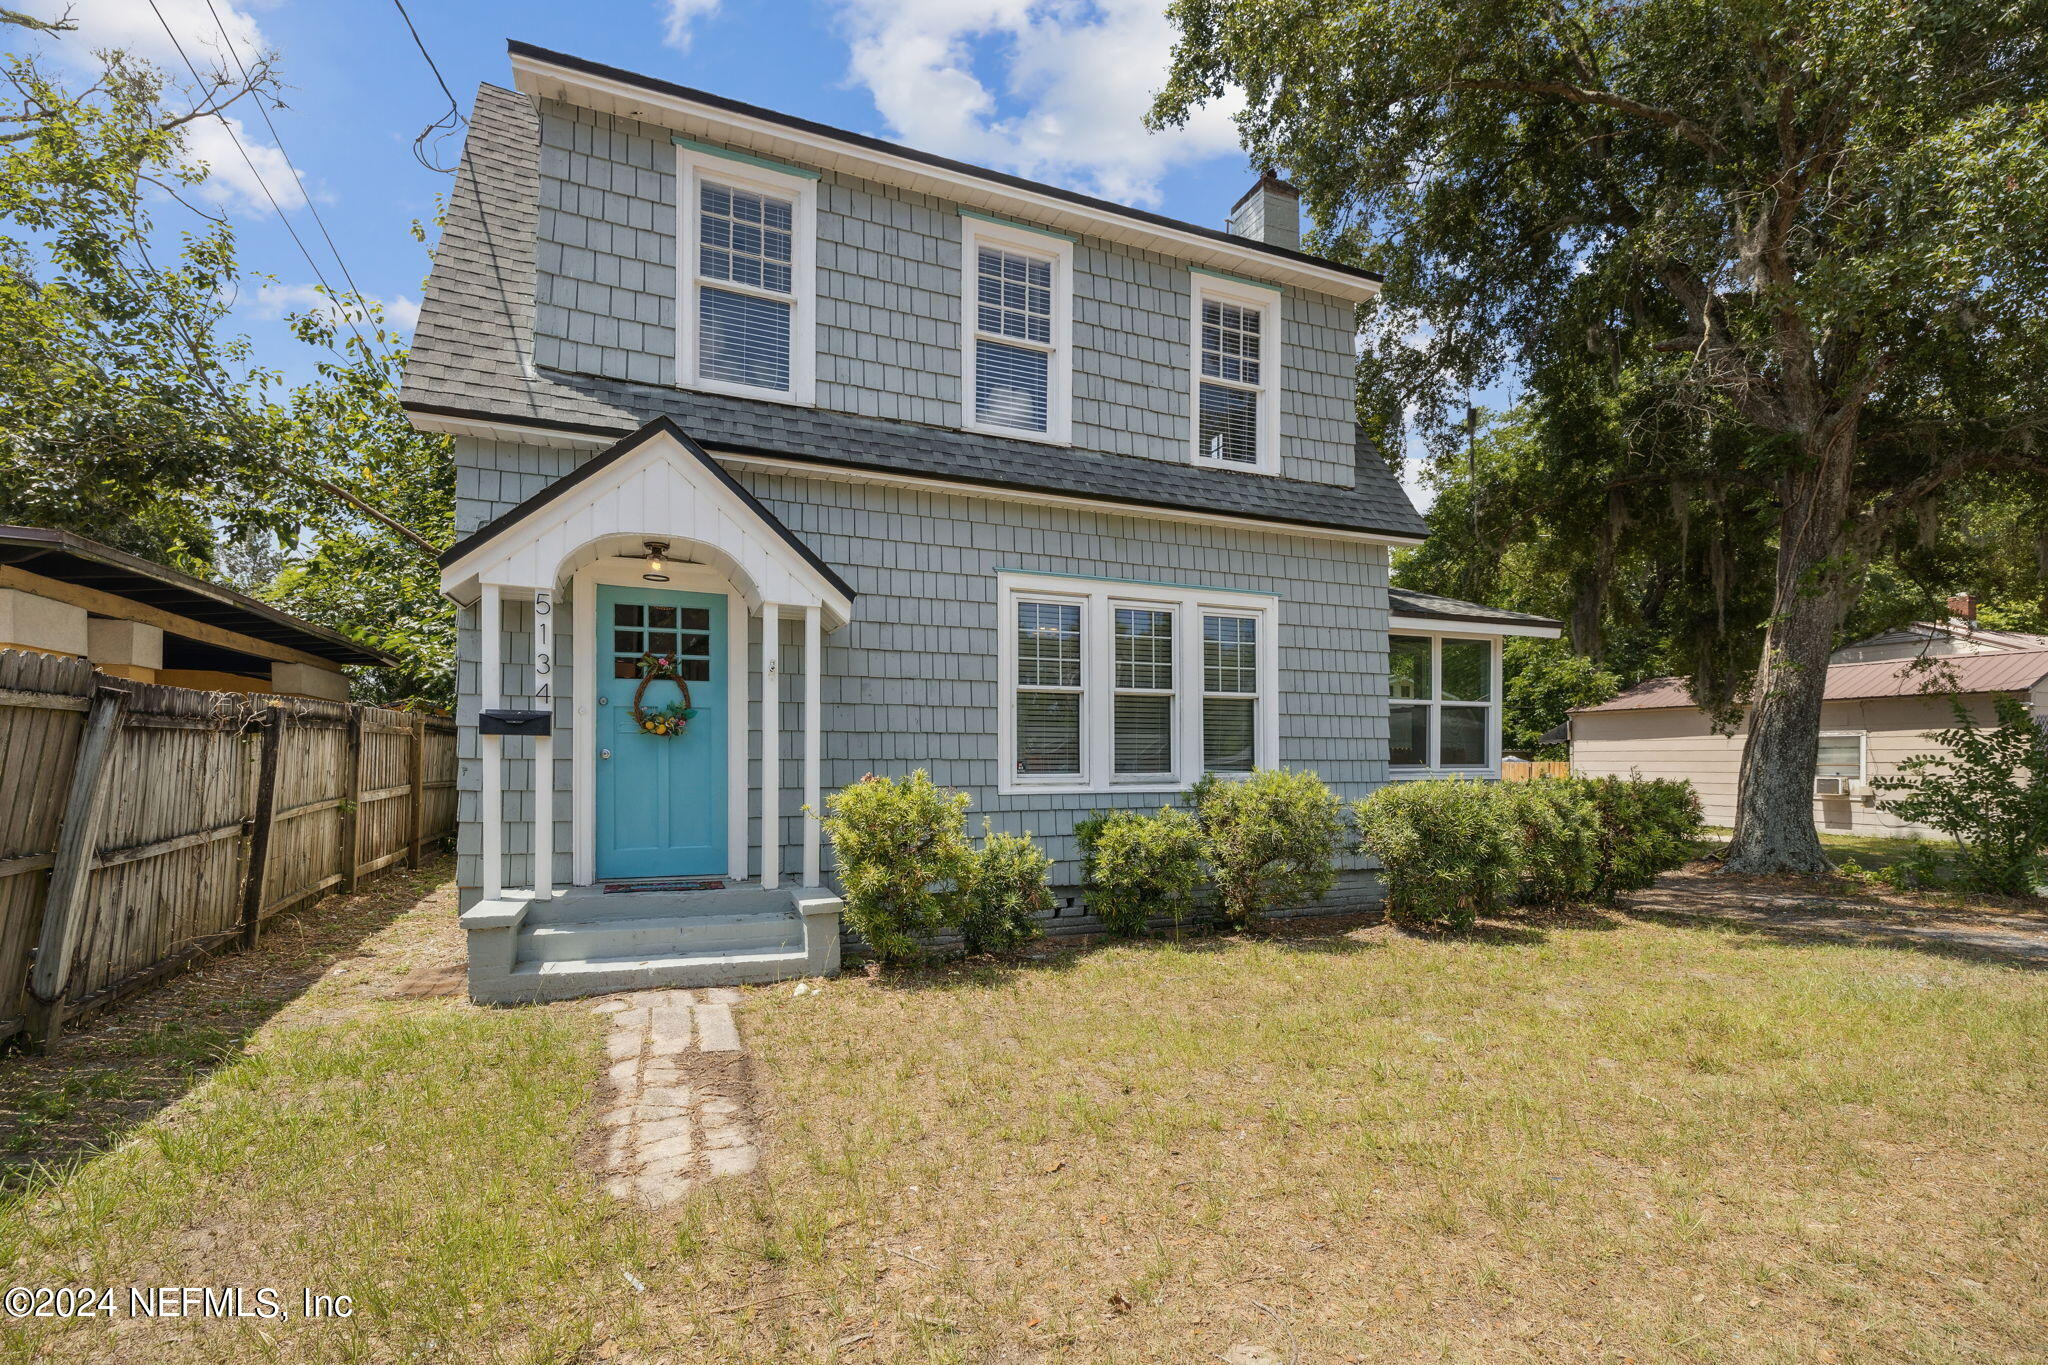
{"x":1820,"y":226}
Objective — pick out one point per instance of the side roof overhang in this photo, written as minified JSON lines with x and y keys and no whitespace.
{"x":1432,"y":611}
{"x":84,"y":563}
{"x":658,"y":483}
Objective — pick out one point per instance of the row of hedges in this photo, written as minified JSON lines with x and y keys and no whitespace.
{"x":1450,"y":851}
{"x":1454,"y":850}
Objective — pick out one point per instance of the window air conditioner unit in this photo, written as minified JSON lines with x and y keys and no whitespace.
{"x":1832,"y":786}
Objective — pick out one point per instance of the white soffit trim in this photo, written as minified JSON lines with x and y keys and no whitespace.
{"x":1440,"y":625}
{"x":511,"y":432}
{"x":544,"y":80}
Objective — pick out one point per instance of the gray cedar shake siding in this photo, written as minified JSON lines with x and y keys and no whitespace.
{"x":889,"y":293}
{"x":911,"y":682}
{"x":552,"y":308}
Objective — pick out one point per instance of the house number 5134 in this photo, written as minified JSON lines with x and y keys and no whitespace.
{"x":543,"y":656}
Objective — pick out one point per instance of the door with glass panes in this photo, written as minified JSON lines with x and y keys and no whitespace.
{"x":660,"y":797}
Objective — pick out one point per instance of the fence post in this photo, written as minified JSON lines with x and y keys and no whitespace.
{"x":71,"y":873}
{"x":352,"y":809}
{"x":257,"y":873}
{"x":416,"y":828}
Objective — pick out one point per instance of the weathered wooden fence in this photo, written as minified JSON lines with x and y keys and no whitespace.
{"x":1528,"y":770}
{"x":144,"y":826}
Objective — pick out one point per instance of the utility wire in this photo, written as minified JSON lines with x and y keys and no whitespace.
{"x":250,"y":162}
{"x":449,"y":121}
{"x":263,"y":108}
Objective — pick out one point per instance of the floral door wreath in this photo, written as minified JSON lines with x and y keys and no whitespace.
{"x":671,"y":719}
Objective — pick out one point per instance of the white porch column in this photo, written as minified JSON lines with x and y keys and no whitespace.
{"x":544,"y":747}
{"x":771,"y":745}
{"x":490,"y":696}
{"x":736,"y":802}
{"x":814,"y":669}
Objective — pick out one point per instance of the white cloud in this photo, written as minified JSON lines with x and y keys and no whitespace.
{"x":1077,"y":78}
{"x":133,"y":26}
{"x":274,"y":301}
{"x":679,"y":15}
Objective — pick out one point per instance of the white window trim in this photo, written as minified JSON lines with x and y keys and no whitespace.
{"x":1436,"y":768}
{"x":1059,"y":398}
{"x":1098,"y":600}
{"x":1862,"y":738}
{"x":1245,"y":295}
{"x":694,"y":167}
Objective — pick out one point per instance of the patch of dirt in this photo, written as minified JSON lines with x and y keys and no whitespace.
{"x":112,"y":1070}
{"x":1854,"y":912}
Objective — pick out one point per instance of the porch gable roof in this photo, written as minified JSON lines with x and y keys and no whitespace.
{"x":576,"y":495}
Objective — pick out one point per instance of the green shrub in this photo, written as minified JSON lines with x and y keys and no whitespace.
{"x":1919,"y":868}
{"x":1272,"y":838}
{"x":1988,"y":792}
{"x":1141,"y":867}
{"x":1647,"y":827}
{"x":902,"y":850}
{"x":1555,"y":834}
{"x":1445,"y":852}
{"x":1003,"y":894}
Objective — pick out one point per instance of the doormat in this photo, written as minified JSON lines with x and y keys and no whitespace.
{"x":688,"y":884}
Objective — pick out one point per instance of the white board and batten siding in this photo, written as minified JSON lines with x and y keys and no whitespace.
{"x":1679,"y":742}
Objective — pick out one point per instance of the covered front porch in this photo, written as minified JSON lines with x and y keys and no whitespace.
{"x":636,"y":627}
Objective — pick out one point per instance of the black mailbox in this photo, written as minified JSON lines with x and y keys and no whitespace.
{"x":516,"y":723}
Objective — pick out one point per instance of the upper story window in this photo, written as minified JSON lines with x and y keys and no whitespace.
{"x":746,"y":268}
{"x":1236,"y":351}
{"x":1017,"y":361}
{"x":1445,"y":710}
{"x":1132,"y":686}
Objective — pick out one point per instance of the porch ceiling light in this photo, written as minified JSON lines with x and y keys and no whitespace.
{"x":655,"y":550}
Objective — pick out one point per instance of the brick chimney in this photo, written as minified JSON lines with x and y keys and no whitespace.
{"x":1270,"y":212}
{"x":1963,"y":607}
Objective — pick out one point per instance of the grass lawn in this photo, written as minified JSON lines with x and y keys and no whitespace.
{"x":1604,"y":1138}
{"x":1871,"y":850}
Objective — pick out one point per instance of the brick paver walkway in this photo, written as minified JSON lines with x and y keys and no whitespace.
{"x":677,"y":1111}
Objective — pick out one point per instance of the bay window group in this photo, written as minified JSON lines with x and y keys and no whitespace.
{"x":1112,"y":686}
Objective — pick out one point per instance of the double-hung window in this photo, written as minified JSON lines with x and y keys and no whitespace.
{"x":746,"y":265}
{"x":1841,"y":755}
{"x":1236,"y":347}
{"x":1444,"y":711}
{"x":1132,"y":687}
{"x":1017,"y":330}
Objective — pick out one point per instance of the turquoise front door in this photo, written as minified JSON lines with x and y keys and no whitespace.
{"x":660,"y":798}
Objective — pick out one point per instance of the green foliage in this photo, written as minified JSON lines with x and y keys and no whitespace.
{"x":1444,"y":853}
{"x":1555,"y":834}
{"x":1004,"y":893}
{"x":1541,"y":681}
{"x":1272,"y":839}
{"x":1988,"y":792}
{"x":1647,"y":827}
{"x":1453,"y":850}
{"x":902,"y":849}
{"x":1141,"y":867}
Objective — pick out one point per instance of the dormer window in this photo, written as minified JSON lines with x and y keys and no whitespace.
{"x":748,"y":244}
{"x":1017,"y":353}
{"x":1236,"y":353}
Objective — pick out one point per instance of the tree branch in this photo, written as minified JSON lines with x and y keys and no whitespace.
{"x":1606,"y":99}
{"x":432,"y":550}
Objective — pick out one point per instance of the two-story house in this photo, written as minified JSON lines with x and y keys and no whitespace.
{"x":787,"y":454}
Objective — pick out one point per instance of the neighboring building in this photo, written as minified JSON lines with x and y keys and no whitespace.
{"x":64,"y":594}
{"x":1057,"y":499}
{"x":1885,"y":696}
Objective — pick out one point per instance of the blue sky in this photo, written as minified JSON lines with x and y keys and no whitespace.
{"x":1051,"y":89}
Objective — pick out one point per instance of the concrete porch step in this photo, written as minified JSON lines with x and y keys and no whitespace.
{"x":568,"y":979}
{"x":659,"y":935}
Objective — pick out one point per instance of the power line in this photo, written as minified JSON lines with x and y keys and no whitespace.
{"x":263,"y":109}
{"x":250,"y":162}
{"x":449,"y":121}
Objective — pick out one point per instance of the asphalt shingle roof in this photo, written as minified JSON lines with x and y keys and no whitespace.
{"x":1408,"y":602}
{"x":472,"y":358}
